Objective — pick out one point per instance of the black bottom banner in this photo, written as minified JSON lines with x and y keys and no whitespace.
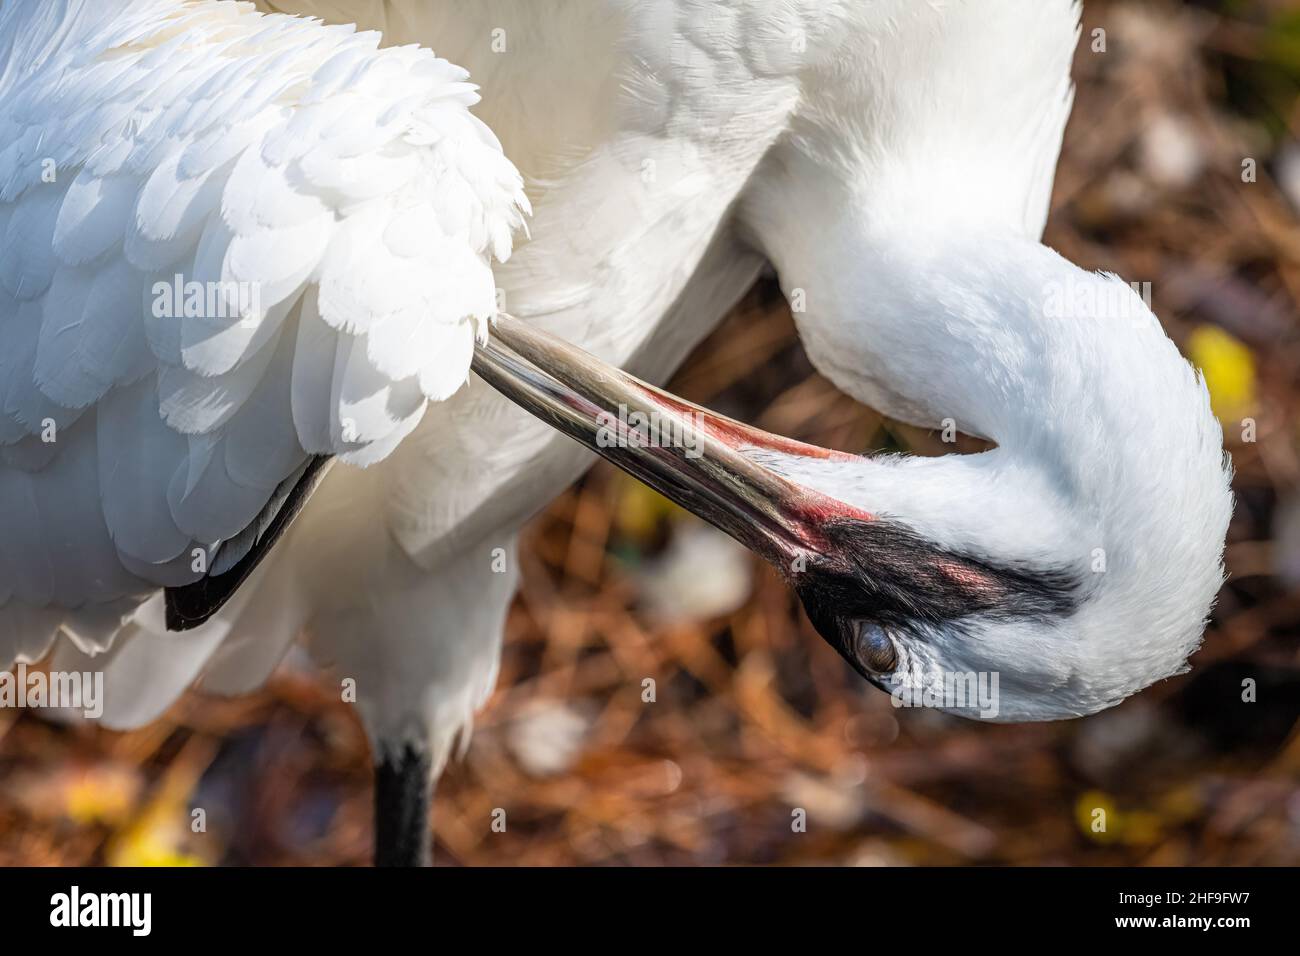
{"x":887,"y":906}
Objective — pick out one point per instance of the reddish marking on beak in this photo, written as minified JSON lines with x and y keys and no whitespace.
{"x":808,"y":511}
{"x":736,"y":434}
{"x":749,"y":499}
{"x":816,"y":508}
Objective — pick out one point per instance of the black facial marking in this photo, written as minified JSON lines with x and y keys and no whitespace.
{"x":883,"y":571}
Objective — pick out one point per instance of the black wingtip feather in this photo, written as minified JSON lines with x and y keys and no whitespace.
{"x":193,"y":604}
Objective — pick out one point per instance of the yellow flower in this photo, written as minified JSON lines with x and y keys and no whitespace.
{"x":152,"y":840}
{"x":1097,"y":816}
{"x":1229,"y":368}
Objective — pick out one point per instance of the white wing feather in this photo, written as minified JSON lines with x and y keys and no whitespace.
{"x":228,"y":241}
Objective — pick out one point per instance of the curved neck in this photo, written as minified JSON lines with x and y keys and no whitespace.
{"x":1109,"y":461}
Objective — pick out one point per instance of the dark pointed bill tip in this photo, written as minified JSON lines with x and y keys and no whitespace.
{"x":687,"y":453}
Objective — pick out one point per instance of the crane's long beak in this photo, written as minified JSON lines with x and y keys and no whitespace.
{"x":690,"y":455}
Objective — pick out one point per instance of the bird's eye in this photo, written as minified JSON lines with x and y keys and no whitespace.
{"x":874,"y":648}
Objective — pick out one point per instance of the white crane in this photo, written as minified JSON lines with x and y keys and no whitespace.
{"x":892,"y":161}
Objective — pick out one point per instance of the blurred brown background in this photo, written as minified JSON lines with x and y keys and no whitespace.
{"x":753,"y":716}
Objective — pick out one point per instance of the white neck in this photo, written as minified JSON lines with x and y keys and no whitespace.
{"x":1109,"y":461}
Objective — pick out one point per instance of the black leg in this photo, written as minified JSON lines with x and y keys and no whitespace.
{"x":403,"y":792}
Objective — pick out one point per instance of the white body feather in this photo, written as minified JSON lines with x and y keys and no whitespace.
{"x":230,"y":241}
{"x":664,"y":142}
{"x":376,"y":569}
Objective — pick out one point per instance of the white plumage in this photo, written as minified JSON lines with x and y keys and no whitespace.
{"x":230,"y":241}
{"x":892,"y":160}
{"x":390,"y":569}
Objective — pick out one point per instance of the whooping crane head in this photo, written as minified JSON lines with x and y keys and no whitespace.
{"x":1066,"y":568}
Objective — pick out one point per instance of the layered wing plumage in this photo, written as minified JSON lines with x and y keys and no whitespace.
{"x":229,"y":242}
